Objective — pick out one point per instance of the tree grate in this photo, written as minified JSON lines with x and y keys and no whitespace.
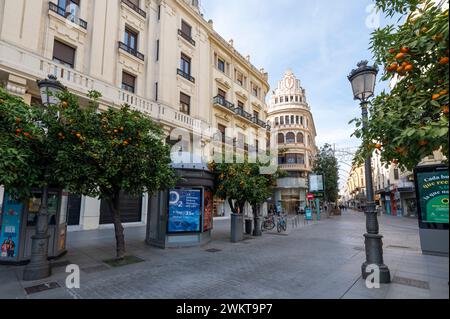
{"x":41,"y":288}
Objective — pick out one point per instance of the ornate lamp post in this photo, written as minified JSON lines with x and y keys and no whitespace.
{"x":363,"y":83}
{"x":39,"y":267}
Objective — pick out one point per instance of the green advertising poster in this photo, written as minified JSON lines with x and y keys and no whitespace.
{"x":433,"y":194}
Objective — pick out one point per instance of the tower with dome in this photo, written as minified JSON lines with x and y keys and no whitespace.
{"x":292,"y":122}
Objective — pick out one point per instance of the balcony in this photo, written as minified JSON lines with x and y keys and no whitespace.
{"x":292,"y":167}
{"x":131,"y":51}
{"x":67,"y":15}
{"x":244,"y":114}
{"x":219,"y":100}
{"x":187,"y":37}
{"x":185,"y":75}
{"x":37,"y":67}
{"x":135,"y":8}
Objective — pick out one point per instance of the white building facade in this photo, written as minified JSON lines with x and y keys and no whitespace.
{"x":292,"y":122}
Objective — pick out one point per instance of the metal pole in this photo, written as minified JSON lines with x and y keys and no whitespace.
{"x":373,"y":240}
{"x":39,"y":266}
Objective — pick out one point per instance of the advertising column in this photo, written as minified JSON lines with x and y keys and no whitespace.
{"x":10,"y":218}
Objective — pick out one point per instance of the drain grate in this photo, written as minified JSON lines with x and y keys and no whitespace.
{"x":94,"y":269}
{"x":41,"y":288}
{"x":213,"y":250}
{"x":411,"y":282}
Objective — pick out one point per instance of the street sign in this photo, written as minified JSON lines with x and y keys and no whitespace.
{"x":310,"y":196}
{"x":316,"y":183}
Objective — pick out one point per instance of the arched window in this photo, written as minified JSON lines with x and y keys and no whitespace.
{"x":290,"y":138}
{"x":300,"y":138}
{"x":280,"y":138}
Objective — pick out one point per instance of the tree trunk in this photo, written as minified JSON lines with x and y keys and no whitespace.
{"x":233,"y":208}
{"x":114,"y":205}
{"x":256,"y":219}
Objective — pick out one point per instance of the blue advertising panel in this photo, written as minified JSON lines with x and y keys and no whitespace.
{"x":10,"y":227}
{"x":185,"y":211}
{"x":308,"y":214}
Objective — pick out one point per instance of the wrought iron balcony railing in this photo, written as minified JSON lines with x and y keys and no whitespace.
{"x":223,"y":102}
{"x":135,"y":8}
{"x":131,"y":51}
{"x":186,"y":75}
{"x":187,"y":37}
{"x":63,"y":13}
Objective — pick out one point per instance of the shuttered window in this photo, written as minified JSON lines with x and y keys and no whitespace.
{"x":186,"y":28}
{"x":185,"y":103}
{"x":128,"y":82}
{"x":64,"y":54}
{"x":222,"y":93}
{"x":130,"y":210}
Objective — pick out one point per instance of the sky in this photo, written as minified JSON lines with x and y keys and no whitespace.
{"x":321,"y":41}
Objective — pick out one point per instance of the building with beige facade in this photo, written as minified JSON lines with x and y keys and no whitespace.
{"x":159,"y":56}
{"x":394,"y":188}
{"x":293,"y":125}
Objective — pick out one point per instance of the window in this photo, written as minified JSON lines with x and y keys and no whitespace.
{"x":287,"y":119}
{"x":281,"y":99}
{"x":300,"y":138}
{"x":256,"y":115}
{"x":292,"y":119}
{"x":241,"y":141}
{"x":277,"y":121}
{"x":186,"y":29}
{"x":280,"y":138}
{"x":63,"y":54}
{"x":71,"y":7}
{"x":185,"y":64}
{"x":221,"y":65}
{"x":276,"y":100}
{"x":222,"y":130}
{"x":255,"y":91}
{"x":282,"y":120}
{"x":159,"y":12}
{"x":301,"y":120}
{"x":130,"y":39}
{"x":157,"y":50}
{"x":156,"y":91}
{"x":396,"y":174}
{"x":221,"y":93}
{"x":240,"y":105}
{"x":240,"y":78}
{"x":297,"y":119}
{"x":185,"y":103}
{"x":290,"y":138}
{"x":128,"y":82}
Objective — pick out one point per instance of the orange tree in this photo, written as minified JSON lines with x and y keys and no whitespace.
{"x":411,"y":121}
{"x":240,"y":183}
{"x":105,"y":154}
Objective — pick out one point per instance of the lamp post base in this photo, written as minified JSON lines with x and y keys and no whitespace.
{"x":374,"y":258}
{"x":39,"y":266}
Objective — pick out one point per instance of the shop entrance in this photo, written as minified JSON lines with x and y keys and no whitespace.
{"x":131,"y":210}
{"x":73,"y":210}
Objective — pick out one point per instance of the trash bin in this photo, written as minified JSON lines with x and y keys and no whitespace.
{"x":248,"y":226}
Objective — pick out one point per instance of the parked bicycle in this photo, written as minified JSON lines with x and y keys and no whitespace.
{"x":282,"y":223}
{"x":268,"y":223}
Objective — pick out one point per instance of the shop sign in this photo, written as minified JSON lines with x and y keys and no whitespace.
{"x":184,"y":211}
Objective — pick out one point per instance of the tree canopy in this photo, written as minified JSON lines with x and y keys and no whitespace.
{"x":326,"y":164}
{"x":410,"y":122}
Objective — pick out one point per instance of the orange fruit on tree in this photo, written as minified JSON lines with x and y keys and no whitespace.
{"x":443,"y":60}
{"x":400,"y":56}
{"x":435,"y":97}
{"x":378,"y":146}
{"x":404,"y":50}
{"x":78,"y":135}
{"x":409,"y":67}
{"x":400,"y":69}
{"x":423,"y":143}
{"x":18,"y":120}
{"x":445,"y":109}
{"x":392,"y":51}
{"x":392,"y":67}
{"x":65,"y":104}
{"x":443,"y":92}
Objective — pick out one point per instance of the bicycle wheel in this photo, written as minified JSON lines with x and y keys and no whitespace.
{"x":279,"y":228}
{"x":284,"y":226}
{"x":271,"y":225}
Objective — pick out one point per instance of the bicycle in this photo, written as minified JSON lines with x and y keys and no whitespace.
{"x":282,"y":224}
{"x":268,"y":223}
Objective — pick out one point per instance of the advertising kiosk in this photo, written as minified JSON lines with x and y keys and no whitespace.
{"x":432,"y":193}
{"x":183,"y":216}
{"x":18,"y":225}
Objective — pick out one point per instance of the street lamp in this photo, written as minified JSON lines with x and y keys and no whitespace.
{"x":363,"y":84}
{"x":39,"y":267}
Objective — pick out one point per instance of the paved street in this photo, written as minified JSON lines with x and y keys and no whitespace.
{"x":319,"y":260}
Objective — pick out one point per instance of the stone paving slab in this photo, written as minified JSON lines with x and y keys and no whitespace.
{"x":316,"y":260}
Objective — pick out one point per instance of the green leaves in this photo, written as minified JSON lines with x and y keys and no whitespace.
{"x":410,"y":121}
{"x":327,"y":164}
